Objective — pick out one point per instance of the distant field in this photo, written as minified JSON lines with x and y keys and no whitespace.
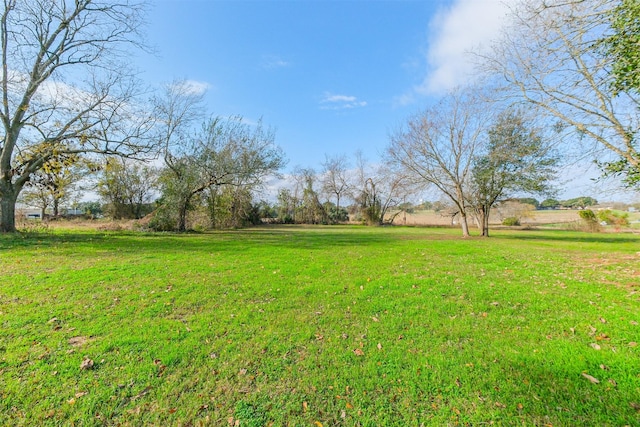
{"x":534,"y":218}
{"x":320,"y":326}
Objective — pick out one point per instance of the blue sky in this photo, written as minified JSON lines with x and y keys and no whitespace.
{"x":332,"y":77}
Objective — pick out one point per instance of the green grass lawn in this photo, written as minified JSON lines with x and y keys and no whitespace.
{"x":323,"y":326}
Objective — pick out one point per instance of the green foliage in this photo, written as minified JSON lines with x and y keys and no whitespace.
{"x":629,"y":173}
{"x":579,"y":202}
{"x":589,"y":220}
{"x":127,"y":188}
{"x":619,"y":219}
{"x":529,"y":201}
{"x":335,"y":215}
{"x":511,"y":221}
{"x":227,"y":158}
{"x":91,"y":209}
{"x":517,"y":159}
{"x":587,"y":215}
{"x":550,"y":204}
{"x":623,"y":46}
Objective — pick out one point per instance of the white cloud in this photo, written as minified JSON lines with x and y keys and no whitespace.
{"x":466,"y":26}
{"x":192,"y":87}
{"x":270,"y":62}
{"x":340,"y":102}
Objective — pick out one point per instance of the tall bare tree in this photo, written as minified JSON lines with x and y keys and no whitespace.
{"x":551,"y":56}
{"x":65,"y":86}
{"x":438,"y":145}
{"x":335,"y":178}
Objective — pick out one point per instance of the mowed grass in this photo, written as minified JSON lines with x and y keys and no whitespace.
{"x":323,"y":326}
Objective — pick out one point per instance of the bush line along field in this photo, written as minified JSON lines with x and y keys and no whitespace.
{"x":319,"y":326}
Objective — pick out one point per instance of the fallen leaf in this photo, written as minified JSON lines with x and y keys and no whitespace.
{"x":305,"y":406}
{"x":343,"y":414}
{"x":349,"y":405}
{"x":635,"y":406}
{"x":633,"y":344}
{"x":613,"y":382}
{"x":603,"y":320}
{"x":595,"y":346}
{"x":71,"y":401}
{"x":604,"y":367}
{"x":634,"y":323}
{"x":319,"y":337}
{"x":77,"y":341}
{"x":375,"y":319}
{"x":358,"y":352}
{"x":80,"y":394}
{"x":318,"y":424}
{"x":379,"y":346}
{"x":242,"y":371}
{"x":590,"y":378}
{"x":86,"y":364}
{"x":144,"y":392}
{"x":172,"y":410}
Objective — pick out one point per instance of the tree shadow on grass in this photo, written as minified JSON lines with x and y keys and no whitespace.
{"x":556,"y":393}
{"x":572,"y":236}
{"x":215,"y":241}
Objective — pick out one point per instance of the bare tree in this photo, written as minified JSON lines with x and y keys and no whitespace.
{"x":311,"y":211}
{"x":379,"y":189}
{"x":335,"y":178}
{"x":551,"y":56}
{"x":437,"y":147}
{"x":65,"y":86}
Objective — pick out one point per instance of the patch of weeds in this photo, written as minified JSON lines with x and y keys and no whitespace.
{"x":249,"y":415}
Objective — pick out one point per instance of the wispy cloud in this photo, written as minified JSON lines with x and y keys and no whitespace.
{"x":340,"y":102}
{"x":270,"y":62}
{"x":192,"y":87}
{"x":465,"y":26}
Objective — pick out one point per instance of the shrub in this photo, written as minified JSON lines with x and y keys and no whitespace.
{"x":589,"y":220}
{"x":511,"y":221}
{"x":614,"y":218}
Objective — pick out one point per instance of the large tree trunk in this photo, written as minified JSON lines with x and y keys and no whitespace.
{"x":485,"y":220}
{"x":8,"y":212}
{"x":182,"y":214}
{"x":464,"y":224}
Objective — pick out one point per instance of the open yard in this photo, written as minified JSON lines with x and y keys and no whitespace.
{"x":322,"y":326}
